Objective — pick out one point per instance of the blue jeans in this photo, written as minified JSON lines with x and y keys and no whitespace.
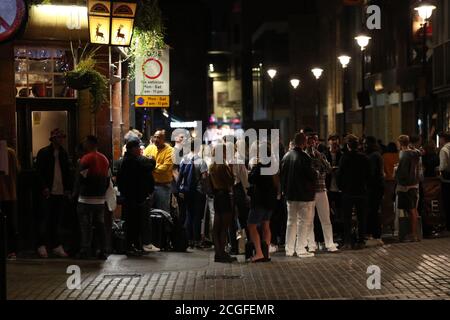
{"x":161,"y":197}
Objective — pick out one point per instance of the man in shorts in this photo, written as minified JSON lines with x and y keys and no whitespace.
{"x":408,"y":178}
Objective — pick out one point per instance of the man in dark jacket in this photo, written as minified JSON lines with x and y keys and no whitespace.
{"x":136,"y":184}
{"x":298,"y":183}
{"x":353,"y":178}
{"x":55,"y":183}
{"x":375,"y":189}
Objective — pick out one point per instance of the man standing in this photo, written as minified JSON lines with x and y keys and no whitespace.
{"x":193,"y":171}
{"x":353,"y":177}
{"x":135,"y":182}
{"x":162,"y":153}
{"x":298,"y":183}
{"x":94,"y":181}
{"x":408,"y":179}
{"x":444,"y":168}
{"x":321,"y":165}
{"x":375,"y":189}
{"x":53,"y":173}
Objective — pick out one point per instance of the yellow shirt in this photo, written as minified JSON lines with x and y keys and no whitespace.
{"x":164,"y":163}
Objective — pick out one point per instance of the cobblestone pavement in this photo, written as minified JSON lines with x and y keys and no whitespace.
{"x":408,"y":271}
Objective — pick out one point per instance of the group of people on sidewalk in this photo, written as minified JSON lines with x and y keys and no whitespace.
{"x":225,"y":197}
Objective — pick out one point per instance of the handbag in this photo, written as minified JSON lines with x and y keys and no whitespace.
{"x":111,"y":197}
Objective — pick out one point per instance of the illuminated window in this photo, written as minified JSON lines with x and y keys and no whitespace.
{"x":40,"y":72}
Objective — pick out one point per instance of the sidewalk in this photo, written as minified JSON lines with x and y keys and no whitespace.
{"x":408,"y":271}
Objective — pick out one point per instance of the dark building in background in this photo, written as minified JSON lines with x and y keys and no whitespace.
{"x":187,"y":26}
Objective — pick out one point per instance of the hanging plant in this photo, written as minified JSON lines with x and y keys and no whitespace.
{"x":149,"y":33}
{"x":84,"y":76}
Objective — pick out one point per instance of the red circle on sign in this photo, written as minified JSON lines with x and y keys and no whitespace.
{"x":9,"y":29}
{"x":160,"y":69}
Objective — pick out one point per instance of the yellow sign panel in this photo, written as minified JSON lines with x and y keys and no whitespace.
{"x":152,"y":101}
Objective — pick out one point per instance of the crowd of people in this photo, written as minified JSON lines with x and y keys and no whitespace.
{"x":226,"y":197}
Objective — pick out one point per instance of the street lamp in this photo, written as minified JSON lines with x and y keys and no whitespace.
{"x":272,"y":74}
{"x":425,"y":11}
{"x":363,"y":41}
{"x":345,"y":61}
{"x":295,"y":83}
{"x":317,"y":72}
{"x":111,"y":22}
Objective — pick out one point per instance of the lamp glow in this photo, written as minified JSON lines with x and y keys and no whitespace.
{"x":272,"y":73}
{"x":425,"y":10}
{"x":363,"y":41}
{"x":344,"y":60}
{"x":111,"y":23}
{"x":317,"y":72}
{"x":295,"y":83}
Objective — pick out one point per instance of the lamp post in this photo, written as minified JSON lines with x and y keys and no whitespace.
{"x":345,"y":61}
{"x":317,"y":72}
{"x":363,"y":41}
{"x":295,"y":83}
{"x":425,"y":11}
{"x":111,"y":23}
{"x":272,"y":74}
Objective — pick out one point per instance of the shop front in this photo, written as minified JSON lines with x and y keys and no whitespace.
{"x":36,"y":98}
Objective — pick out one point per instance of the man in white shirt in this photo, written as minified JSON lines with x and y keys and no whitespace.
{"x":53,"y":171}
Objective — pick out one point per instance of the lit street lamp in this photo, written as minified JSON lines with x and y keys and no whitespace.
{"x":295,"y":83}
{"x":272,"y":74}
{"x":425,"y":11}
{"x":345,"y":61}
{"x":111,"y":22}
{"x":363,"y":41}
{"x":317,"y":72}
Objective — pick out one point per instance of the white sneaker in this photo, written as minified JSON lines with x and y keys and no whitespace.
{"x":42,"y":252}
{"x":333,"y":249}
{"x":273,"y":249}
{"x":151,"y":248}
{"x":59,"y":251}
{"x":289,"y":255}
{"x":312,"y":249}
{"x":305,"y":254}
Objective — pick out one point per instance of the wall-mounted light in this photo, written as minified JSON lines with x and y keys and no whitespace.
{"x":111,"y":22}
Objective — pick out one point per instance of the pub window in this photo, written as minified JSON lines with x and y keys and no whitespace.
{"x":39,"y":72}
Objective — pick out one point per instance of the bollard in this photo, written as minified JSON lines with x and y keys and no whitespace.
{"x":2,"y":256}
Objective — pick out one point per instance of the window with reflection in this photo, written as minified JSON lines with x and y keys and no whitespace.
{"x":39,"y":72}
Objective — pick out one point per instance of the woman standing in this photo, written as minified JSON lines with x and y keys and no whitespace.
{"x":222,"y":181}
{"x":264,"y":191}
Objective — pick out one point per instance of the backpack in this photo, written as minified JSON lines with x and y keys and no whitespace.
{"x":188,"y":177}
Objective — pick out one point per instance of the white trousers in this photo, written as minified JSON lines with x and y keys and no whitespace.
{"x":323,"y":210}
{"x":300,"y":219}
